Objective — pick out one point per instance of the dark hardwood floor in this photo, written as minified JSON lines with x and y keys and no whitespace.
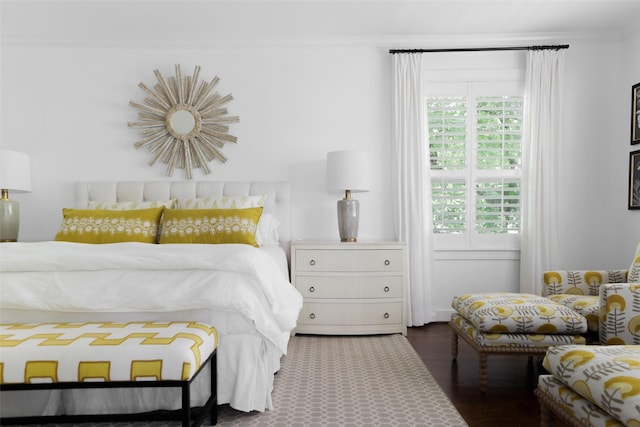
{"x":509,"y":399}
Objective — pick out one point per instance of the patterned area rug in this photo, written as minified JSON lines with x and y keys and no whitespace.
{"x":348,"y":381}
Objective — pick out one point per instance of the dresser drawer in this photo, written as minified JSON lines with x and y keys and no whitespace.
{"x":350,"y":260}
{"x":361,"y":286}
{"x":351,"y":314}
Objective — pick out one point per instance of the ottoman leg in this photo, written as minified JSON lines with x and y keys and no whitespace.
{"x":545,"y":416}
{"x":482,"y":373}
{"x":454,"y":344}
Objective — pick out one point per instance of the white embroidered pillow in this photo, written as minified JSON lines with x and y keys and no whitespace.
{"x":223,"y":202}
{"x":131,"y":205}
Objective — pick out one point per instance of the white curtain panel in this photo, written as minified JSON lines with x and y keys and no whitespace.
{"x":540,"y":241}
{"x":410,"y":183}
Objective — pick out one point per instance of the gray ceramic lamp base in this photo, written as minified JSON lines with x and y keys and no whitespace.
{"x":9,"y":220}
{"x":348,"y":215}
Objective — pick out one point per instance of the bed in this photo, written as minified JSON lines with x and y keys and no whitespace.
{"x":241,"y":289}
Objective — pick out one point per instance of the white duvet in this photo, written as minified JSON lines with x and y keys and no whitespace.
{"x":133,"y":278}
{"x":122,"y":277}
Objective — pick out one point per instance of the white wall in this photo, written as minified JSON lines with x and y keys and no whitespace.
{"x":67,"y":106}
{"x":627,"y":222}
{"x":595,"y":174}
{"x":599,"y":230}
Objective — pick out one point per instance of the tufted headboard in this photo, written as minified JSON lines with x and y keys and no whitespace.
{"x":278,"y":193}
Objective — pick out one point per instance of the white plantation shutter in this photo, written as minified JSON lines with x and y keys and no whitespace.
{"x":499,"y":132}
{"x":449,"y":206}
{"x":497,"y":206}
{"x":498,"y":161}
{"x":447,"y":133}
{"x":448,"y":154}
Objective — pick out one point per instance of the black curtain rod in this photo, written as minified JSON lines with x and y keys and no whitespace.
{"x":481,"y":49}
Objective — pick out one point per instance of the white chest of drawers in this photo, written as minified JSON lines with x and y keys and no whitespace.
{"x":350,"y":288}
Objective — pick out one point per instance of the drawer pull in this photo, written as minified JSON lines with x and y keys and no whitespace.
{"x":387,"y":262}
{"x":386,"y":289}
{"x":386,"y":315}
{"x":312,"y":316}
{"x":312,"y":289}
{"x":312,"y":262}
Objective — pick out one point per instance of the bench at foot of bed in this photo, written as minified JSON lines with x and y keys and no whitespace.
{"x":49,"y":356}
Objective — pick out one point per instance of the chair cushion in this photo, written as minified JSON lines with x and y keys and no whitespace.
{"x":587,"y":305}
{"x":519,"y":340}
{"x":505,"y":312}
{"x":608,"y":376}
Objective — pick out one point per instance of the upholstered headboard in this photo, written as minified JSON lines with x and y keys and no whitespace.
{"x":278,"y":200}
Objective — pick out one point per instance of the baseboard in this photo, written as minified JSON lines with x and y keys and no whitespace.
{"x":443,"y":315}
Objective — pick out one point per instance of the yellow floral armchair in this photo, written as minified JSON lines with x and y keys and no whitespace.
{"x":596,"y":386}
{"x":608,"y":299}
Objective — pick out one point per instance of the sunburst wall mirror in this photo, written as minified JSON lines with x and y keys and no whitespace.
{"x":183,"y":122}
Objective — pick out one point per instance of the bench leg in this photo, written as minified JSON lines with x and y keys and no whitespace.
{"x":186,"y":406}
{"x":454,"y":344}
{"x":482,"y":373}
{"x":214,"y":389}
{"x":545,"y":416}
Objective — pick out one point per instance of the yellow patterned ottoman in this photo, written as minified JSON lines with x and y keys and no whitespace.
{"x":101,"y":355}
{"x":512,"y":323}
{"x":595,"y":386}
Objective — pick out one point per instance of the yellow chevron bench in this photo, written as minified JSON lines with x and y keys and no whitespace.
{"x":108,"y":355}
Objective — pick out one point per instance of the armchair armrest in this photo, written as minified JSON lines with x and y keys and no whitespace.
{"x":580,"y":282}
{"x":620,"y":314}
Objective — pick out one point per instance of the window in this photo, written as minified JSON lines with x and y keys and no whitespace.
{"x":475,"y":147}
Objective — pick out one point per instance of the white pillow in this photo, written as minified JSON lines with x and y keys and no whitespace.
{"x":131,"y":205}
{"x":222,"y":202}
{"x":267,"y":232}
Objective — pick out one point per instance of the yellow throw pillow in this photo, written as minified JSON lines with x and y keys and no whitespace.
{"x":210,"y":226}
{"x":109,"y":226}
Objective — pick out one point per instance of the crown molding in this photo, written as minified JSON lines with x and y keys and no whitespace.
{"x":388,"y":42}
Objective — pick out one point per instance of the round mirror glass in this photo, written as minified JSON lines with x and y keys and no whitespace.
{"x":182,"y":122}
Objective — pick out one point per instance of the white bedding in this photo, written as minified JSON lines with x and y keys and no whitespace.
{"x":242,"y":290}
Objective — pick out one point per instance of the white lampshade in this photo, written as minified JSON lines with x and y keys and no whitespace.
{"x":15,"y":172}
{"x":348,"y":170}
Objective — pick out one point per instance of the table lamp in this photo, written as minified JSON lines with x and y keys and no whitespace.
{"x":348,"y":171}
{"x":15,"y":175}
